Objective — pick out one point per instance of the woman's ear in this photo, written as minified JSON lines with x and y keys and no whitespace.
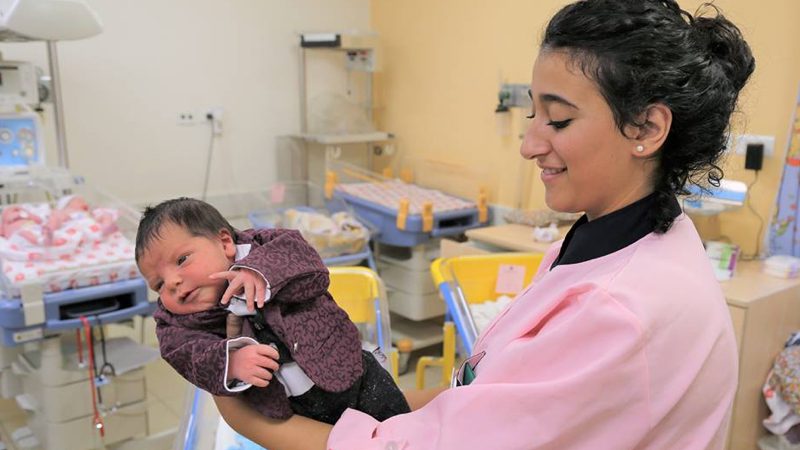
{"x":228,"y":243}
{"x":649,"y":137}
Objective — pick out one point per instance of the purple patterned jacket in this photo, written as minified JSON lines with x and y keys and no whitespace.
{"x":320,"y":336}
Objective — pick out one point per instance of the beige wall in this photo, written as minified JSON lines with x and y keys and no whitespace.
{"x":124,"y":88}
{"x":444,"y":60}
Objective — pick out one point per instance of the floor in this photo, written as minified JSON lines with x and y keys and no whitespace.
{"x":167,"y":395}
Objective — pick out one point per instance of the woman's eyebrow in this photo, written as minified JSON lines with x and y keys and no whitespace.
{"x":553,"y":98}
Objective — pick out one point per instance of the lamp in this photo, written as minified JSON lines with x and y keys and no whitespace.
{"x":49,"y":21}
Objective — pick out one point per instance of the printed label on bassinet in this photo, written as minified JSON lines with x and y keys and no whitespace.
{"x":510,"y":279}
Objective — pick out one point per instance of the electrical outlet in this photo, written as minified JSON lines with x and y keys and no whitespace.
{"x":215,"y":116}
{"x":187,"y":118}
{"x":744,"y":140}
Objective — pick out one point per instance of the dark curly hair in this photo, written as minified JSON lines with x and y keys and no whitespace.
{"x":641,"y":52}
{"x":197,"y":217}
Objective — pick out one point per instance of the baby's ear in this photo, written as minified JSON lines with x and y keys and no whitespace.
{"x":227,"y":243}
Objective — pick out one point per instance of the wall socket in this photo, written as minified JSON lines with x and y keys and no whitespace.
{"x":187,"y":118}
{"x":211,"y":115}
{"x":744,"y":140}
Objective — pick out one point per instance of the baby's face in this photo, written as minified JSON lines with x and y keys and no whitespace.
{"x":16,"y":213}
{"x":77,"y":204}
{"x":177,"y":266}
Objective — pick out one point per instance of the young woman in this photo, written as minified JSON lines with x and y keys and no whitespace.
{"x":623,"y":340}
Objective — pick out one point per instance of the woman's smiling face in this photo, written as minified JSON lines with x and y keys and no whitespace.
{"x":587,"y":163}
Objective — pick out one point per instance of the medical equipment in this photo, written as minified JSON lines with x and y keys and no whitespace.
{"x":336,"y":106}
{"x":465,"y":281}
{"x":405,"y":213}
{"x":49,"y":21}
{"x":19,"y":83}
{"x":43,"y":301}
{"x":20,"y":143}
{"x":50,"y":296}
{"x":357,"y":290}
{"x":729,"y":195}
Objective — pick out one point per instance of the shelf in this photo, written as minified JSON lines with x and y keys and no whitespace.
{"x":424,"y":333}
{"x":352,"y":138}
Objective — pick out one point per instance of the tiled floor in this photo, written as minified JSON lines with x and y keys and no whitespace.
{"x":167,"y":393}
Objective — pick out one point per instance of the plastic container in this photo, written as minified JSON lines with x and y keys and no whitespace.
{"x":330,"y":227}
{"x":405,"y":214}
{"x":42,"y":296}
{"x":465,"y":280}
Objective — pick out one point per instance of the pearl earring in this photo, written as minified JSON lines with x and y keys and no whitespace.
{"x":640,"y":148}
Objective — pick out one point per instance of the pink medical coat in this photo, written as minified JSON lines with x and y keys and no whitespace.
{"x":631,"y":350}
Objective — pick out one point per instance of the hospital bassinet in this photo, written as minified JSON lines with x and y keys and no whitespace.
{"x":405,"y":214}
{"x":357,"y":290}
{"x":464,"y":281}
{"x":100,"y":281}
{"x":329,"y":226}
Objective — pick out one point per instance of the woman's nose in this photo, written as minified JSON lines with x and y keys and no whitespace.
{"x":534,"y":143}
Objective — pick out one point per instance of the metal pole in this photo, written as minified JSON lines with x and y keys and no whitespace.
{"x":58,"y":108}
{"x":303,"y":99}
{"x":304,"y":158}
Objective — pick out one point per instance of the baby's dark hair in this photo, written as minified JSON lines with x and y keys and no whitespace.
{"x":642,"y":52}
{"x":195,"y":216}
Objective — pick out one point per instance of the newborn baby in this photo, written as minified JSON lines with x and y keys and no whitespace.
{"x":23,"y":227}
{"x":73,"y":211}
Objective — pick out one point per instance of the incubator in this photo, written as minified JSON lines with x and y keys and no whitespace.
{"x":67,"y":268}
{"x":60,"y":283}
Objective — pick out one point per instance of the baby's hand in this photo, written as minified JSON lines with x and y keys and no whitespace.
{"x":246,"y":281}
{"x":253,"y":364}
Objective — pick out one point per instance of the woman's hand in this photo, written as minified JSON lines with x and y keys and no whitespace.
{"x":243,"y":281}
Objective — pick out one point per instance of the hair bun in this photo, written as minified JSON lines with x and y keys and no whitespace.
{"x":725,"y":45}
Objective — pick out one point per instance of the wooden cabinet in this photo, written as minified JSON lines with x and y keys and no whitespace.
{"x":764,"y":310}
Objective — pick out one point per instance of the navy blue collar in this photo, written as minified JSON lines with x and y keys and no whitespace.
{"x":607,"y":234}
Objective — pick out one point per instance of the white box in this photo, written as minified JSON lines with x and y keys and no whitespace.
{"x":55,"y":362}
{"x":417,"y":258}
{"x":8,"y":355}
{"x":73,"y":400}
{"x":80,"y":434}
{"x":404,"y":279}
{"x":10,"y":384}
{"x":415,"y":307}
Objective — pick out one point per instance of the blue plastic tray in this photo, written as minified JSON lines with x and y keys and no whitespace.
{"x":384,"y":219}
{"x":60,"y":308}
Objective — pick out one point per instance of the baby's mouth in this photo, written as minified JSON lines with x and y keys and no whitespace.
{"x":189,"y":297}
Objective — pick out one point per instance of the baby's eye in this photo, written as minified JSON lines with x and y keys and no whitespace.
{"x":182,"y":260}
{"x":158,"y":286}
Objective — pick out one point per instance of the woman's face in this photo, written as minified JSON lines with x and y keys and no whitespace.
{"x":587,"y":163}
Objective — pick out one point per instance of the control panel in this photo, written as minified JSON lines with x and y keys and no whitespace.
{"x":20,"y":141}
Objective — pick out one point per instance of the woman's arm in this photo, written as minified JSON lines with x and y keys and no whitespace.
{"x":298,"y":432}
{"x":295,"y":433}
{"x":417,"y":398}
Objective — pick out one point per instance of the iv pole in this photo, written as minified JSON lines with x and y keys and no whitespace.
{"x":58,"y":107}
